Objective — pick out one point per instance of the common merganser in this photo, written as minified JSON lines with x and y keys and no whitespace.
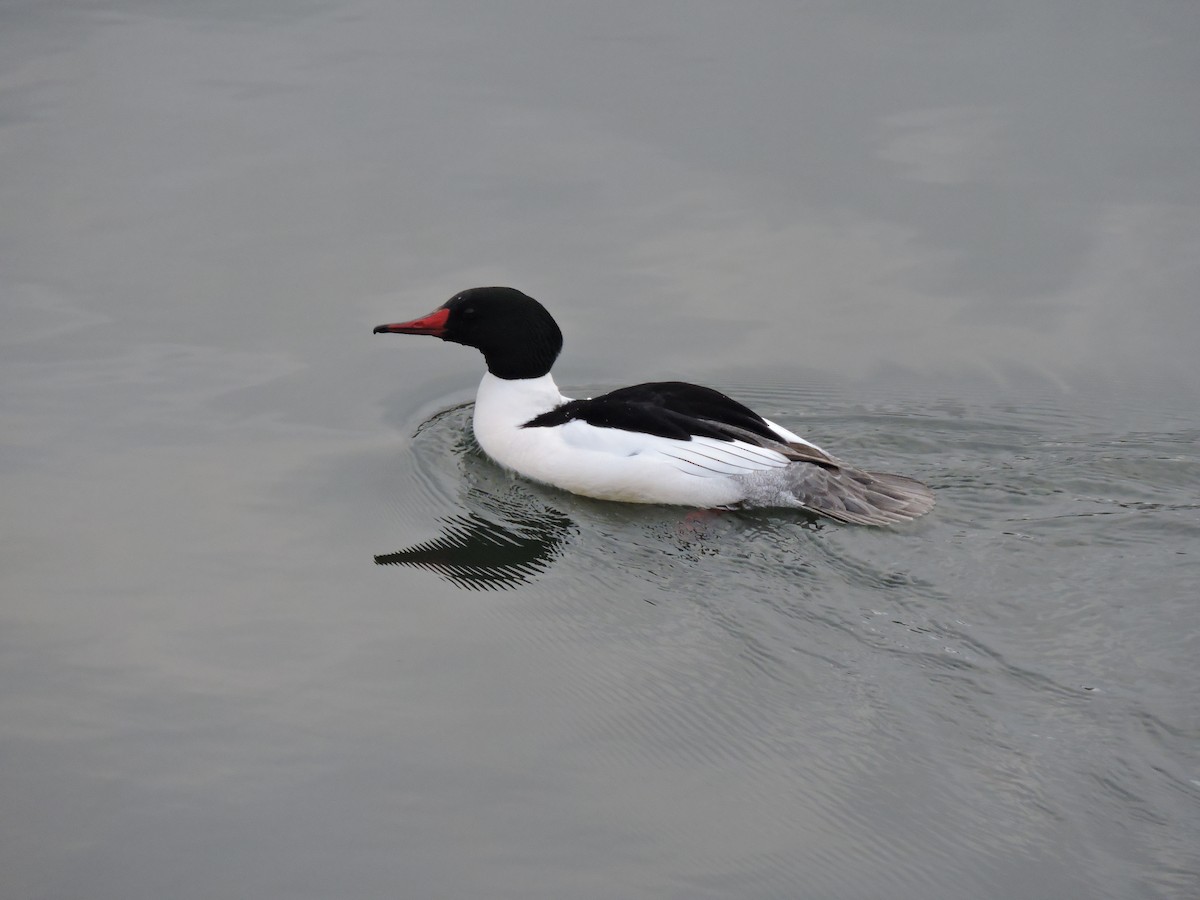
{"x":665,"y":442}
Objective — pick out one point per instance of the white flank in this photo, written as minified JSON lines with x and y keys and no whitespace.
{"x":610,"y":463}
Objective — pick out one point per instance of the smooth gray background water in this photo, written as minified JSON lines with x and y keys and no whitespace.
{"x":955,"y":240}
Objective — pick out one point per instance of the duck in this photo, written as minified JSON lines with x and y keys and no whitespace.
{"x":665,"y":442}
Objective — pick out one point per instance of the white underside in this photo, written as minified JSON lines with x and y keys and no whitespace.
{"x":612,"y":464}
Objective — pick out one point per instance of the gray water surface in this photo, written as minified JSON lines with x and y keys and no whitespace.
{"x":272,"y":626}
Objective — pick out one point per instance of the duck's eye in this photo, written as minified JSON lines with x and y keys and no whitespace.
{"x":469,"y":312}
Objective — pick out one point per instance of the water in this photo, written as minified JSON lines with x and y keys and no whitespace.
{"x":273,"y":627}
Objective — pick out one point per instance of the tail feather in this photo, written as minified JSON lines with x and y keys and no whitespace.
{"x":825,"y":485}
{"x":861,"y":498}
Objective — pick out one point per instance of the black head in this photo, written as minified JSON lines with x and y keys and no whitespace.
{"x":515,"y":334}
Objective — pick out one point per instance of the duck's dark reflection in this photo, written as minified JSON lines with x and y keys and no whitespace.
{"x":504,"y":536}
{"x":478,"y":553}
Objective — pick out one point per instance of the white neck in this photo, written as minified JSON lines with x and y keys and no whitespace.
{"x":503,"y":405}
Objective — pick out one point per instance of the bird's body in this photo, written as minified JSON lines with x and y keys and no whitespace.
{"x":663,"y":442}
{"x":672,"y":458}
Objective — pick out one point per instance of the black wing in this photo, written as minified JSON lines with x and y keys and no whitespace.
{"x":669,"y":409}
